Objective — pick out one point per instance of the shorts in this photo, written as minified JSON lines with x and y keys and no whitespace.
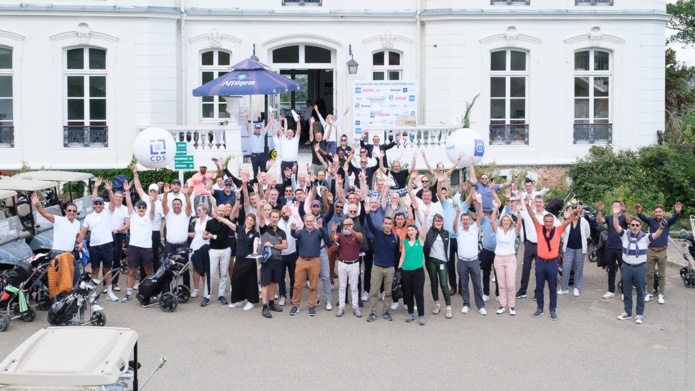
{"x":271,"y":272}
{"x":138,"y":256}
{"x":101,"y":255}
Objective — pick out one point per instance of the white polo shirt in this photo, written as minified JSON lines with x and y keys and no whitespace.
{"x":140,"y":230}
{"x":100,"y":226}
{"x":468,"y":241}
{"x":158,"y":214}
{"x":118,"y":217}
{"x":290,"y":149}
{"x":177,"y":227}
{"x":291,"y":241}
{"x":65,"y":233}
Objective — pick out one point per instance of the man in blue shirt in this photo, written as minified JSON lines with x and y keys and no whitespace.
{"x":308,"y":265}
{"x":228,"y":195}
{"x":257,"y":143}
{"x":613,"y":248}
{"x":386,"y":245}
{"x":483,"y":186}
{"x":656,"y":253}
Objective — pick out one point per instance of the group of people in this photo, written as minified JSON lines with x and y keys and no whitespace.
{"x":383,"y":226}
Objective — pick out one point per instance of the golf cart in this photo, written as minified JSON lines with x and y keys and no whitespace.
{"x":13,"y":246}
{"x":75,"y":358}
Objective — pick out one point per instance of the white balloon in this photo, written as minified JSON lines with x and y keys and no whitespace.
{"x":468,"y":142}
{"x":154,"y":148}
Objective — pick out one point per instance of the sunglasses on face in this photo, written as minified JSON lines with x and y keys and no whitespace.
{"x":71,"y":210}
{"x":343,"y":139}
{"x":98,"y":203}
{"x":339,"y":207}
{"x":227,"y":185}
{"x":352,"y":211}
{"x":198,"y":210}
{"x":348,"y":225}
{"x":425,"y":181}
{"x":634,"y":225}
{"x":142,"y":207}
{"x":483,"y":178}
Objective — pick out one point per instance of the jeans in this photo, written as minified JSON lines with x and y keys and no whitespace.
{"x":413,"y":284}
{"x":472,"y":269}
{"x":633,"y":276}
{"x":505,"y":270}
{"x":546,"y":271}
{"x":613,"y":256}
{"x":325,"y":274}
{"x":529,"y":255}
{"x":574,"y":259}
{"x":368,"y":261}
{"x":655,"y":259}
{"x":218,"y":258}
{"x":438,"y":276}
{"x":451,"y":264}
{"x":384,"y":274}
{"x":487,"y":259}
{"x":307,"y":268}
{"x":351,"y":273}
{"x":288,"y":264}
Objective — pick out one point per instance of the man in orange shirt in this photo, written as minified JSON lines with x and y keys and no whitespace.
{"x":547,"y":254}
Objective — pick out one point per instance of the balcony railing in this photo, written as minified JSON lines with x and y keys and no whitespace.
{"x":593,"y":133}
{"x":302,"y":2}
{"x":516,"y":134}
{"x":6,"y":136}
{"x":85,"y":136}
{"x":594,"y":2}
{"x":510,"y":2}
{"x":421,"y":137}
{"x":203,"y":138}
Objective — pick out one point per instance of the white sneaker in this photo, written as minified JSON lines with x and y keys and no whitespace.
{"x":512,"y":311}
{"x":365,"y":296}
{"x":235,"y":305}
{"x":638,"y":319}
{"x":195,"y":293}
{"x":576,"y":292}
{"x":624,"y":316}
{"x":465,"y":309}
{"x":282,"y":300}
{"x":136,"y":286}
{"x":648,"y":297}
{"x":660,"y":299}
{"x":486,"y":297}
{"x":248,"y":306}
{"x":561,"y":292}
{"x":608,"y":295}
{"x":329,"y":306}
{"x":394,"y":306}
{"x":295,"y":116}
{"x":482,"y":311}
{"x":111,"y":296}
{"x":500,"y":310}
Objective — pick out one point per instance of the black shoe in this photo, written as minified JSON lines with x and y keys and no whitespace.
{"x":360,"y":304}
{"x":520,"y":294}
{"x":266,"y":312}
{"x":222,"y":300}
{"x":205,"y":302}
{"x":387,"y":316}
{"x":371,"y":318}
{"x":275,"y":307}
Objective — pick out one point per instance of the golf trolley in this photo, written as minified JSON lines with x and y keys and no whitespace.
{"x":166,"y":282}
{"x":687,"y":273}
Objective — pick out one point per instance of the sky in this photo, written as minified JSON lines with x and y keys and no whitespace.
{"x":684,"y":53}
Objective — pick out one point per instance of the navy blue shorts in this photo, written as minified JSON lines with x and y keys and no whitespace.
{"x":271,"y":272}
{"x":138,"y":256}
{"x":101,"y":255}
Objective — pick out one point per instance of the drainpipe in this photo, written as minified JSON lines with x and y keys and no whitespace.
{"x":418,"y":65}
{"x":183,"y":96}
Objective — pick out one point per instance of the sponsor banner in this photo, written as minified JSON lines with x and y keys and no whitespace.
{"x":384,"y":103}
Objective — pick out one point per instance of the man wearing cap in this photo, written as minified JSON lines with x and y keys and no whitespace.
{"x":120,"y":222}
{"x":176,"y":193}
{"x":201,"y":183}
{"x":153,"y":189}
{"x":257,"y":143}
{"x":140,"y":244}
{"x":227,"y":195}
{"x":177,"y":226}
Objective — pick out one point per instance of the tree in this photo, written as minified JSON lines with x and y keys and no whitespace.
{"x":680,"y":95}
{"x":682,"y":21}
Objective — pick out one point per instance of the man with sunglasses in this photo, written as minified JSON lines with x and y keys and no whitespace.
{"x":153,"y":189}
{"x":228,"y":195}
{"x":101,"y":239}
{"x":633,"y":272}
{"x":343,"y":146}
{"x":120,"y":222}
{"x":176,"y":219}
{"x":140,"y":244}
{"x":482,"y":186}
{"x":66,"y":231}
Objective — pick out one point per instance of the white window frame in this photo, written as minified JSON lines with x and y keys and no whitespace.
{"x":508,"y":74}
{"x":218,"y":102}
{"x":4,"y":72}
{"x":591,"y":74}
{"x":387,"y":68}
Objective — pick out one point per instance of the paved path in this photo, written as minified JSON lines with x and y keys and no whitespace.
{"x":218,"y":348}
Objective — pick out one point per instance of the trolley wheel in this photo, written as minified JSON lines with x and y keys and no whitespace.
{"x":592,"y":255}
{"x":684,"y":272}
{"x":4,"y":322}
{"x":44,"y":303}
{"x":183,"y":293}
{"x":168,"y":302}
{"x":98,"y":319}
{"x":30,"y":315}
{"x":620,"y":286}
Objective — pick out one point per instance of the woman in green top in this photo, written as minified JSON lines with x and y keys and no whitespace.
{"x":413,"y":274}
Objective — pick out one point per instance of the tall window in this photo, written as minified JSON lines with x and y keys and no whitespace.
{"x":508,"y":97}
{"x":85,"y":79}
{"x":213,"y":64}
{"x":386,"y":65}
{"x":6,"y":108}
{"x":592,"y":93}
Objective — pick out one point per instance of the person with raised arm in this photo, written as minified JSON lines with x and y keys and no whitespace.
{"x":411,"y":267}
{"x":153,"y":189}
{"x":330,"y":127}
{"x":468,"y":264}
{"x":140,"y":244}
{"x":177,"y":219}
{"x":272,"y":270}
{"x":120,"y":222}
{"x":482,"y":186}
{"x":257,"y":145}
{"x":613,"y":248}
{"x":505,"y":257}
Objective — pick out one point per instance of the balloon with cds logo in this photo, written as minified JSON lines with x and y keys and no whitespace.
{"x":466,"y":141}
{"x":154,"y":148}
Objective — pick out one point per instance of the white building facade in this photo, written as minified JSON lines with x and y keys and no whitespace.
{"x":80,"y":78}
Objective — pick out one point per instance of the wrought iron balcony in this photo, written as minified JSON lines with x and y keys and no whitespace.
{"x":85,"y":136}
{"x":594,"y":2}
{"x":302,"y":2}
{"x":510,"y":134}
{"x":593,"y":133}
{"x":510,"y":2}
{"x":6,"y":136}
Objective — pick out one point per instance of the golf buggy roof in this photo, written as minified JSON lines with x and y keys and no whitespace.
{"x":59,"y":176}
{"x":70,"y":357}
{"x":18,"y":184}
{"x":7,"y":194}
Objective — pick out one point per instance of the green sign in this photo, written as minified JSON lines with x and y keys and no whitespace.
{"x":183,"y":159}
{"x":183,"y":166}
{"x":180,"y":148}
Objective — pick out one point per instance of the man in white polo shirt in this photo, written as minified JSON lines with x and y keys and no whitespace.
{"x":140,"y":245}
{"x":153,"y":189}
{"x":101,"y":239}
{"x":120,"y":222}
{"x":66,"y":230}
{"x":177,"y":225}
{"x":468,"y":264}
{"x":290,"y":148}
